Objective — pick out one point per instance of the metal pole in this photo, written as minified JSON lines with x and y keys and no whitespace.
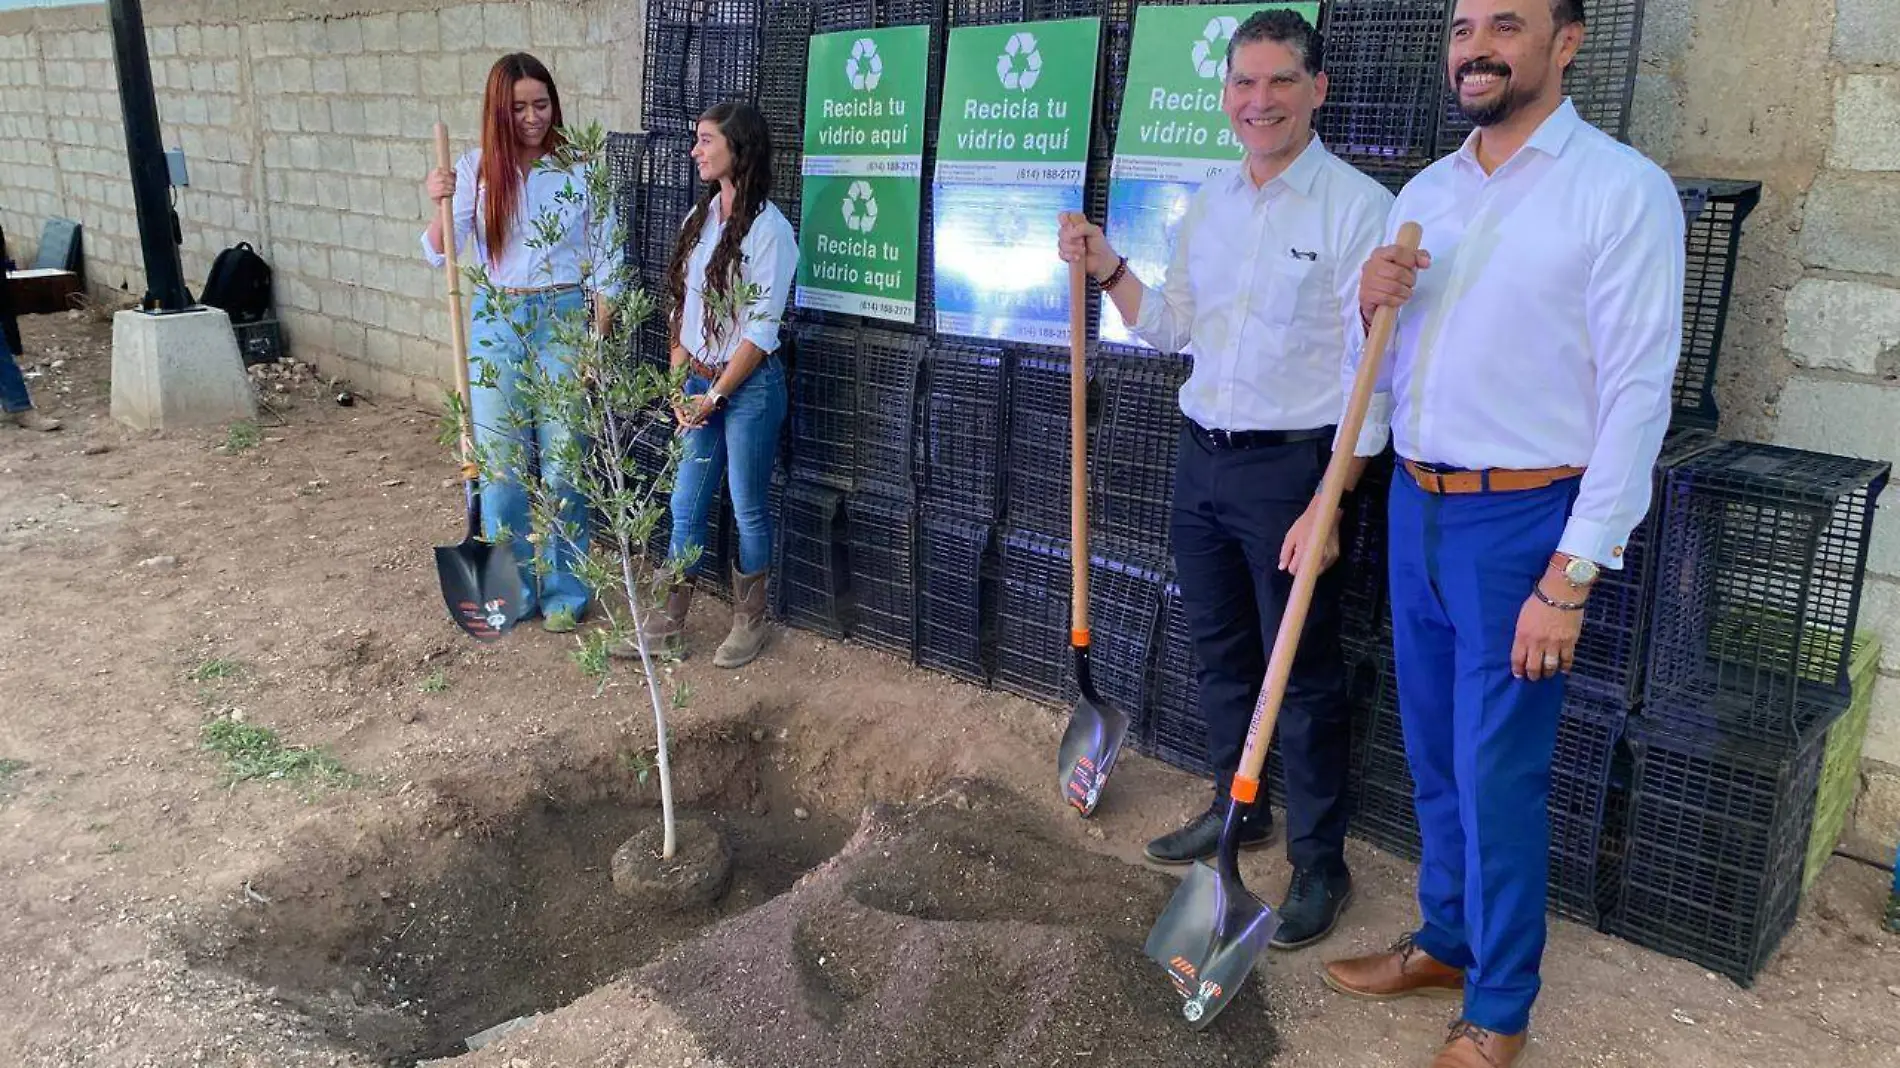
{"x":164,"y":274}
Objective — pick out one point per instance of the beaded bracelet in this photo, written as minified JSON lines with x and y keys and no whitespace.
{"x":1115,"y":276}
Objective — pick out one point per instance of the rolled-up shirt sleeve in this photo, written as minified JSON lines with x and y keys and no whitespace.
{"x":1634,"y":307}
{"x":770,"y":265}
{"x":461,"y":210}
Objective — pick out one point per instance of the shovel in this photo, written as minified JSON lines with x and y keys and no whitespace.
{"x":1096,"y":728}
{"x":1213,"y":929}
{"x":481,"y":582}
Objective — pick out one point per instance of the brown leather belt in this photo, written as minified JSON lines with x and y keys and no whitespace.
{"x":1489,"y":480}
{"x":529,"y":291}
{"x":704,"y":370}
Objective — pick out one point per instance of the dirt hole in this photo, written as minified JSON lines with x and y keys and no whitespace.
{"x":405,"y":948}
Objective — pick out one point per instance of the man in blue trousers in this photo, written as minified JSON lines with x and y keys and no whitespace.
{"x":1527,"y":391}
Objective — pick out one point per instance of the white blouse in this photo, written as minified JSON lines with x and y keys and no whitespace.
{"x":570,"y":261}
{"x":768,"y":259}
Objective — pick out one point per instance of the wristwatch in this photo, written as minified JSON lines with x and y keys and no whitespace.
{"x":718,"y":399}
{"x":1576,"y":570}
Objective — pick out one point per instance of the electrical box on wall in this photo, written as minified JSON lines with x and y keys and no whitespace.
{"x":175,"y":165}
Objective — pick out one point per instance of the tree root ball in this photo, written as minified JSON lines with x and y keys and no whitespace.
{"x":696,"y":875}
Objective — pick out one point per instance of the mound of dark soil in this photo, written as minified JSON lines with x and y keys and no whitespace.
{"x":953,"y":932}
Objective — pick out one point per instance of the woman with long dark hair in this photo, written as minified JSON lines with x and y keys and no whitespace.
{"x":731,"y":271}
{"x":499,"y":195}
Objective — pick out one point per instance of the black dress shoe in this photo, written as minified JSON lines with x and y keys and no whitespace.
{"x":1200,"y":839}
{"x":1312,"y":906}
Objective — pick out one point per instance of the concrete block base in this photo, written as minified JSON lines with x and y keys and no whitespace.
{"x":178,"y":370}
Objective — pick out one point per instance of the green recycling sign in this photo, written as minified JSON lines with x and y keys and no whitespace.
{"x":863,"y":172}
{"x":1172,"y":127}
{"x":1012,"y":152}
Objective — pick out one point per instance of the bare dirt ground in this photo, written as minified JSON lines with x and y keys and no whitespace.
{"x":153,"y":913}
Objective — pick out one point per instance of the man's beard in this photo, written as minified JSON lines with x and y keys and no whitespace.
{"x":1498,"y":108}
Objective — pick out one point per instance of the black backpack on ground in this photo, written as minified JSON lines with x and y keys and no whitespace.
{"x":240,"y":284}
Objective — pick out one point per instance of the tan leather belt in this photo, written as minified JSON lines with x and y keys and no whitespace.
{"x":704,"y":370}
{"x":1489,"y":480}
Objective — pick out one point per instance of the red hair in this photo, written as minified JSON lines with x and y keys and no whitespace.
{"x":501,"y":175}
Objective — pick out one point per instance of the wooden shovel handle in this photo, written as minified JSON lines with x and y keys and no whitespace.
{"x":1078,"y":457}
{"x":458,"y":328}
{"x":1286,"y":644}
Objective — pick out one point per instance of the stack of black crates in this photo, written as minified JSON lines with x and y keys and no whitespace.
{"x":923,"y":507}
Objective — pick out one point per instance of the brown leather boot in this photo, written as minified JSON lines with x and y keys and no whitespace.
{"x":34,"y":419}
{"x":1471,"y":1046}
{"x":665,"y":628}
{"x":1405,"y":970}
{"x":749,"y":629}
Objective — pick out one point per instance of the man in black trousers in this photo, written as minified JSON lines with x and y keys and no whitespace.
{"x":1262,"y":288}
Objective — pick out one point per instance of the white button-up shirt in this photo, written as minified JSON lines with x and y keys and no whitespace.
{"x":1264,"y":285}
{"x":521,"y":267}
{"x":768,"y":259}
{"x":1546,"y":331}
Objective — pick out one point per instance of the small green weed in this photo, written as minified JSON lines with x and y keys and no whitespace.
{"x":242,"y":435}
{"x":437,"y":682}
{"x":253,"y":752}
{"x":10,"y":768}
{"x":217,"y":669}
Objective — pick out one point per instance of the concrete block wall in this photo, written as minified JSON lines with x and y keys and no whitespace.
{"x":1812,"y":354}
{"x":307,"y":133}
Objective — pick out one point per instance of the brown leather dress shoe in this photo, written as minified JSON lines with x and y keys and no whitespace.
{"x":1471,"y":1046}
{"x":1403,"y":971}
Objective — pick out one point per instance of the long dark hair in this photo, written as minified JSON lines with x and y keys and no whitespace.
{"x":501,"y":177}
{"x":750,"y":141}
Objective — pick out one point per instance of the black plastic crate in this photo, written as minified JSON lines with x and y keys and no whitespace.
{"x":951,"y":552}
{"x":1386,"y":815}
{"x":666,"y":92}
{"x":1036,"y":485}
{"x":912,"y":13}
{"x":985,"y":12}
{"x":1580,"y":781}
{"x":788,"y":181}
{"x":1600,"y":81}
{"x":1613,"y":647}
{"x":834,"y":15}
{"x":1762,"y":559}
{"x":1385,"y":63}
{"x":786,"y":47}
{"x":1173,"y":730}
{"x":1364,"y":578}
{"x":824,"y":403}
{"x":964,"y":410}
{"x":1132,"y":463}
{"x":724,"y":63}
{"x":1126,"y":589}
{"x":1714,"y":241}
{"x":669,"y":187}
{"x":1717,"y":842}
{"x":889,"y":367}
{"x":882,"y":536}
{"x":1032,"y":639}
{"x":811,"y":558}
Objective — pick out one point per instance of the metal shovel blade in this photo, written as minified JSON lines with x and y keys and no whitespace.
{"x":1089,"y":748}
{"x":481,"y":582}
{"x":1208,"y":939}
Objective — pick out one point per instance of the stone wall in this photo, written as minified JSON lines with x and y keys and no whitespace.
{"x":307,"y":132}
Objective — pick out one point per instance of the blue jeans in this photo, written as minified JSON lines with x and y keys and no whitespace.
{"x":746,"y":435}
{"x":13,"y":395}
{"x":1478,"y":740}
{"x":496,"y":342}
